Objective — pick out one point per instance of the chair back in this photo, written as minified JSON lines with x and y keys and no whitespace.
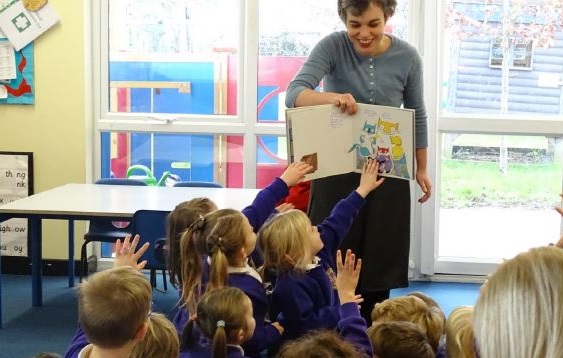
{"x":120,"y":181}
{"x":150,"y":225}
{"x":198,"y":184}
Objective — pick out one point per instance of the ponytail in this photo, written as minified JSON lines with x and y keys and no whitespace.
{"x":219,"y":345}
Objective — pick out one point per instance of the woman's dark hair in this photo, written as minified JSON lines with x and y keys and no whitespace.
{"x":357,"y":7}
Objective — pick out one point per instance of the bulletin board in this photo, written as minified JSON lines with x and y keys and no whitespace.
{"x":20,"y":90}
{"x":16,"y":182}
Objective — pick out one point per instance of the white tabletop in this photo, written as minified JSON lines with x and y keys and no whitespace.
{"x":121,"y":200}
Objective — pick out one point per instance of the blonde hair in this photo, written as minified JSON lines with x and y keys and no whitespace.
{"x":219,"y":317}
{"x":399,"y":339}
{"x":218,"y":235}
{"x":520,"y":311}
{"x":319,"y":344}
{"x":113,"y":305}
{"x":411,"y":309}
{"x":160,"y":341}
{"x":285,"y":241}
{"x":178,"y":221}
{"x":459,"y":333}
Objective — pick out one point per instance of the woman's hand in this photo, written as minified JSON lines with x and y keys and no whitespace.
{"x":346,"y":103}
{"x":425,"y":185}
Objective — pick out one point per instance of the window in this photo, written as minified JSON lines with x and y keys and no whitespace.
{"x":197,"y":87}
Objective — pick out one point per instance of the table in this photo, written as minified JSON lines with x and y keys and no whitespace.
{"x":116,"y":202}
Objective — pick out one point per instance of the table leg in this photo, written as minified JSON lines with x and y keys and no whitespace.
{"x":71,"y":253}
{"x":36,"y":269}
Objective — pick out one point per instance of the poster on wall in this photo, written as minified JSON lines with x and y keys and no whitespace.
{"x":16,"y":74}
{"x":16,"y":182}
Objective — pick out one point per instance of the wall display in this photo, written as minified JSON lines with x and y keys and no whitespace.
{"x":16,"y":182}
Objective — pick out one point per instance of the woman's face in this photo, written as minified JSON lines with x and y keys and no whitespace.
{"x":366,"y":31}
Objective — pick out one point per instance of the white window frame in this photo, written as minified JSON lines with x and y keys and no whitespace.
{"x":244,"y":123}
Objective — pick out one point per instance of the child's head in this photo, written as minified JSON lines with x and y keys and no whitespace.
{"x":411,"y":309}
{"x":399,"y":339}
{"x":178,"y":221}
{"x":431,"y":303}
{"x":160,"y":341}
{"x":226,"y":237}
{"x":319,"y":344}
{"x":113,"y":306}
{"x":459,"y":333}
{"x":289,"y":242}
{"x":225,"y":316}
{"x":520,"y":311}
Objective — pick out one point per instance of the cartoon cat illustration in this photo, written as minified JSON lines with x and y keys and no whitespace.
{"x":365,"y":146}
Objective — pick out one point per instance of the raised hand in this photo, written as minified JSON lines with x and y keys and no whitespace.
{"x":347,"y":276}
{"x":125,"y":254}
{"x":295,"y":173}
{"x":368,"y":180}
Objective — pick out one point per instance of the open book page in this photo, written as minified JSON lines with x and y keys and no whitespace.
{"x":336,"y":143}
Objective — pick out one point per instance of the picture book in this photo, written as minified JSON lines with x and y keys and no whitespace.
{"x":337,"y":143}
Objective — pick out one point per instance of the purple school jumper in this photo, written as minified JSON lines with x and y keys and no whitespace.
{"x":204,"y":350}
{"x":257,"y":213}
{"x":309,"y":301}
{"x":78,"y":342}
{"x":352,"y":327}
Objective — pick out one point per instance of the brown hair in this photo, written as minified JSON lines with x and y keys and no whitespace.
{"x":319,"y":344}
{"x":160,"y":341}
{"x":113,"y":305}
{"x":219,"y":317}
{"x":411,"y":309}
{"x":178,"y":221}
{"x":285,"y":241}
{"x":357,"y":7}
{"x":399,"y":339}
{"x":219,"y":235}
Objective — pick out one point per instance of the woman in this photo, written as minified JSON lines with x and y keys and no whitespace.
{"x":366,"y":65}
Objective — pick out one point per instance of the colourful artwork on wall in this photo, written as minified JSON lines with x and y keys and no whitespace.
{"x":21,"y":90}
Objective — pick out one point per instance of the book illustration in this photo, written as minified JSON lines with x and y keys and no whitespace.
{"x":311,"y":159}
{"x":382,"y":142}
{"x":342,"y":143}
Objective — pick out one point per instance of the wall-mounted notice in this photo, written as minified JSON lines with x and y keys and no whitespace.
{"x":16,"y":182}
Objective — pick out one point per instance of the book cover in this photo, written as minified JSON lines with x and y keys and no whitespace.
{"x":336,"y":143}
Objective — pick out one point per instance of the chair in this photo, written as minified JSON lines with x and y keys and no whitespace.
{"x":199,"y":184}
{"x":104,"y":230}
{"x":150,"y":225}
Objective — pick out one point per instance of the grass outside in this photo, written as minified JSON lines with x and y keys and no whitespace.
{"x":480,"y":184}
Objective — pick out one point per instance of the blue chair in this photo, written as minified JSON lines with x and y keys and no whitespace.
{"x":104,"y":230}
{"x":150,"y":225}
{"x":198,"y":184}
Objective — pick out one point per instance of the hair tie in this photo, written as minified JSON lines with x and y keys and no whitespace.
{"x":198,"y":224}
{"x":221,"y":323}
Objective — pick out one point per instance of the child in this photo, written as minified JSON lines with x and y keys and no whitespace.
{"x":411,"y":309}
{"x":113,"y":306}
{"x":225,"y":319}
{"x":400,"y":339}
{"x":113,"y":309}
{"x":304,"y":293}
{"x":160,"y":341}
{"x":353,"y":340}
{"x":215,"y":250}
{"x":459,"y":333}
{"x":179,"y":219}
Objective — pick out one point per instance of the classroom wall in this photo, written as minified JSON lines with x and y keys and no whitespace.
{"x":54,"y":128}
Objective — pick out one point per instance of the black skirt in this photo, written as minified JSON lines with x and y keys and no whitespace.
{"x":380,"y":234}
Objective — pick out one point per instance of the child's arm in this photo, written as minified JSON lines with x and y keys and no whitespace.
{"x":334,"y":228}
{"x":267,"y":199}
{"x":352,"y":326}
